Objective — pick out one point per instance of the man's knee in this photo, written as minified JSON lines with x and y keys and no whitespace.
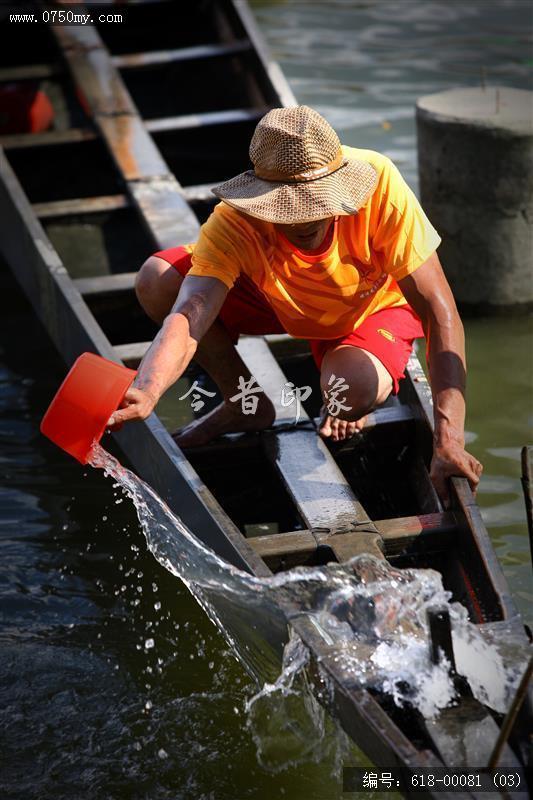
{"x":156,"y":286}
{"x":349,"y":402}
{"x":354,"y":382}
{"x":148,"y":278}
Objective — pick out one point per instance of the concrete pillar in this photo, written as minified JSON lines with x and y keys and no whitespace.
{"x":475,"y":157}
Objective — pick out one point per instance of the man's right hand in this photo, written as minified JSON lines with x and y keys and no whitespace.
{"x":137,"y":404}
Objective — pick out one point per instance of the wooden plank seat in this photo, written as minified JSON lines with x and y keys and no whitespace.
{"x":20,"y":141}
{"x":114,"y":202}
{"x":152,"y":58}
{"x":187,"y":121}
{"x":81,"y":205}
{"x":108,"y":284}
{"x":281,"y":550}
{"x":32,"y":72}
{"x":132,"y":354}
{"x":29,"y":72}
{"x":182,"y":122}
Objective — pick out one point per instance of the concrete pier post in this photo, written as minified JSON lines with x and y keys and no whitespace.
{"x":475,"y":156}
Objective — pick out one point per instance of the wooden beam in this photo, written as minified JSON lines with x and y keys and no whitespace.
{"x":134,"y":152}
{"x":19,"y":141}
{"x":150,"y":59}
{"x":29,"y":72}
{"x":41,"y":274}
{"x":132,"y":354}
{"x":401,"y":531}
{"x":161,"y":205}
{"x":465,"y":734}
{"x":419,"y":391}
{"x":106,"y":284}
{"x":389,"y":415}
{"x":348,"y":544}
{"x":282,"y":345}
{"x":149,"y":182}
{"x":285,"y":550}
{"x":113,"y":202}
{"x":317,"y":486}
{"x":398,"y":534}
{"x":82,"y":205}
{"x":188,"y":121}
{"x":200,"y":193}
{"x":102,"y":88}
{"x":320,"y":491}
{"x":256,"y":354}
{"x":478,"y":554}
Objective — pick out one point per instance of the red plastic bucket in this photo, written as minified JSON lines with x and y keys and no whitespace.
{"x":77,"y":416}
{"x":24,"y":109}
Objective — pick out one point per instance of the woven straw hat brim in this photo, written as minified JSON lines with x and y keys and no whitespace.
{"x":342,"y":193}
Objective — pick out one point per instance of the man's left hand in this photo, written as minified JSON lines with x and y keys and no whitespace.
{"x":452,"y":460}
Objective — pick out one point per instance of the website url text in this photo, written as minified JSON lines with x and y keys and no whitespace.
{"x":65,"y":17}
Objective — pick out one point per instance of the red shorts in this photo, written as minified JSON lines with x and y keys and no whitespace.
{"x":387,"y":334}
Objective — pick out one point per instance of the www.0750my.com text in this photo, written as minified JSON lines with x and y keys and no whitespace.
{"x":65,"y":17}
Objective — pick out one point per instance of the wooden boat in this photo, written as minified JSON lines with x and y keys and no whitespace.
{"x":125,"y":171}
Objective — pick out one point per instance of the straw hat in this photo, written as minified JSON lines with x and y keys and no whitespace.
{"x":300,"y":173}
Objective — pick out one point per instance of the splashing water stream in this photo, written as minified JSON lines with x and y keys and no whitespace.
{"x":373,"y":615}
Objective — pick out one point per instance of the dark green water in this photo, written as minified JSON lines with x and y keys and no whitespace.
{"x":80,"y":596}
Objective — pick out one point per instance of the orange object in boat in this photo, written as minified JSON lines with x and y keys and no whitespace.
{"x":24,"y":109}
{"x":77,"y":416}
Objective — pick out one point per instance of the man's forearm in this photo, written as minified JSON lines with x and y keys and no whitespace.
{"x":447,"y":371}
{"x":168,"y":357}
{"x":429,"y":294}
{"x":197,"y":305}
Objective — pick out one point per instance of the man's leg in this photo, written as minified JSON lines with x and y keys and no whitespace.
{"x":370,"y":362}
{"x":353,"y":382}
{"x":157,"y":287}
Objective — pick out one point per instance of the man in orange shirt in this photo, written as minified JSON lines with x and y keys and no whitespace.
{"x":329,"y":244}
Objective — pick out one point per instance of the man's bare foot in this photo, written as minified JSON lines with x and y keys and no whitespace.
{"x":339,"y":429}
{"x":225,"y":418}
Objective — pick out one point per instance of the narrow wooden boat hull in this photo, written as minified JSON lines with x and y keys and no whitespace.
{"x":126,"y":150}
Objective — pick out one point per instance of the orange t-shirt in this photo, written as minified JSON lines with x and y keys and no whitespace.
{"x":325,"y":296}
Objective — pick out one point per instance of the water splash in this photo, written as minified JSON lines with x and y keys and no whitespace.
{"x":372,"y":616}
